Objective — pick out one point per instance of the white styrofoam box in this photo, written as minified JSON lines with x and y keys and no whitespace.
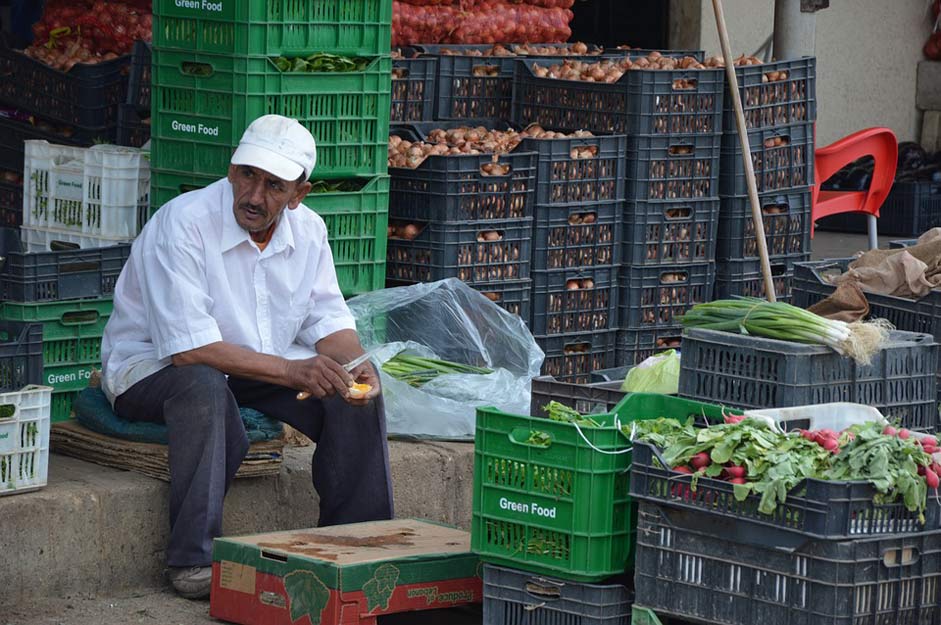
{"x":101,"y":191}
{"x":24,"y":439}
{"x":45,"y":240}
{"x":836,"y":416}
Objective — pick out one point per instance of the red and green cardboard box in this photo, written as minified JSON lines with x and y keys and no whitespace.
{"x":344,"y":574}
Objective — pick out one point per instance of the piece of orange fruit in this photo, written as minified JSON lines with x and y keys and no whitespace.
{"x":359,"y":390}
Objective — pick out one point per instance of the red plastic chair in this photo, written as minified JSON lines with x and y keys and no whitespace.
{"x":881,"y":144}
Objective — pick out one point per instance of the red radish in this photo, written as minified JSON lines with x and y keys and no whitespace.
{"x":736,"y":471}
{"x":828,"y":433}
{"x":928,"y":449}
{"x":734,"y":418}
{"x":830,"y":444}
{"x":889,"y":431}
{"x":700,"y":461}
{"x":936,"y":467}
{"x":904,"y":434}
{"x":683,"y":469}
{"x":738,"y":480}
{"x":921,"y":470}
{"x":928,"y":441}
{"x":850,"y":436}
{"x":808,"y":435}
{"x":931,"y":478}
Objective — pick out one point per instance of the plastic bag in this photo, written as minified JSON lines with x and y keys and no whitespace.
{"x":450,"y":321}
{"x":658,"y":374}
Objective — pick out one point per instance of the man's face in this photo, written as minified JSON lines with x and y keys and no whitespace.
{"x":259,"y":197}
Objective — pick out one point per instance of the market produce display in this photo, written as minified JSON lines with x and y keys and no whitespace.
{"x":480,"y":21}
{"x":765,"y":462}
{"x":89,"y":32}
{"x":782,"y":321}
{"x":321,"y":62}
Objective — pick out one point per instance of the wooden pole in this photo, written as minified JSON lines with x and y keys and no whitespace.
{"x":746,"y":151}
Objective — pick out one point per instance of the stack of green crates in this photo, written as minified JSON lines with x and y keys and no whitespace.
{"x":213,"y":73}
{"x":71,"y":350}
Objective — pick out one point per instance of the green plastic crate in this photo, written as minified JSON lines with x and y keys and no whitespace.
{"x":273,"y":27}
{"x":72,"y":332}
{"x":356,"y":224}
{"x":562,"y":510}
{"x":201,"y":105}
{"x":61,"y":409}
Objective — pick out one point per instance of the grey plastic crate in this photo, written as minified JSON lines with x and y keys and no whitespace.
{"x":590,"y":398}
{"x":656,"y":297}
{"x":689,"y":568}
{"x":11,"y":204}
{"x":581,"y":236}
{"x":769,"y":99}
{"x":783,"y":158}
{"x":641,"y":102}
{"x":61,"y":275}
{"x":670,"y":233}
{"x":786,"y":218}
{"x":572,"y":357}
{"x":518,"y":598}
{"x":673,"y":168}
{"x":912,"y":208}
{"x":21,"y":352}
{"x":744,"y":277}
{"x":413,"y":86}
{"x":753,"y":372}
{"x":636,"y":346}
{"x":562,"y":305}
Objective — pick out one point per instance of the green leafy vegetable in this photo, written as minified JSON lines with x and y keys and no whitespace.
{"x":321,"y":62}
{"x":564,"y":414}
{"x":538,"y":439}
{"x":308,"y":596}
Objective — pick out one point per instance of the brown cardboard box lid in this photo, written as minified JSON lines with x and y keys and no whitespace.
{"x":361,"y":543}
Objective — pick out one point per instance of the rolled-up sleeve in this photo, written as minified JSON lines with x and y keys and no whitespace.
{"x":328,"y":310}
{"x":177,"y":298}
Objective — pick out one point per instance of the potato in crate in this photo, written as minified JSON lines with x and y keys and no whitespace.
{"x":101,"y":191}
{"x":551,"y":496}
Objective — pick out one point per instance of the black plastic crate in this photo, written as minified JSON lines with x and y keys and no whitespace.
{"x":133,"y":130}
{"x":586,"y":398}
{"x":659,"y":234}
{"x":54,"y":276}
{"x":575,"y":171}
{"x":20,"y":355}
{"x":614,"y":53}
{"x":656,"y":297}
{"x":454,"y":188}
{"x":518,"y":598}
{"x":811,"y":284}
{"x":786,"y":218}
{"x":572,"y":357}
{"x":911,"y":209}
{"x":636,"y":346}
{"x":14,"y":132}
{"x":414,"y":79}
{"x":576,"y":237}
{"x":462,"y":250}
{"x":753,"y":372}
{"x":691,"y":567}
{"x":783,"y":158}
{"x":138,"y":82}
{"x":86,"y":96}
{"x":11,"y":204}
{"x":744,"y":278}
{"x":774,"y":94}
{"x":513,"y":297}
{"x":575,"y":300}
{"x":673,"y":168}
{"x":642,"y":102}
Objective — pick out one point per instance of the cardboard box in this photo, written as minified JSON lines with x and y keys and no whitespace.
{"x":347,"y":574}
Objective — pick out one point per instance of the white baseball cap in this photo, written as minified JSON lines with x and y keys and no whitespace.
{"x":279,"y":145}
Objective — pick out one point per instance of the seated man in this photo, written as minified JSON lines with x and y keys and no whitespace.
{"x":229,"y":299}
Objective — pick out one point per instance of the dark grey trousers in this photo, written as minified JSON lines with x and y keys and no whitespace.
{"x":207,"y":443}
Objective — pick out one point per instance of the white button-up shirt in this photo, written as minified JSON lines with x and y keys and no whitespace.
{"x":195,"y":277}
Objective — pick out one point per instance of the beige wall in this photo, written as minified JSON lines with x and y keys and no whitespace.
{"x":867,"y":52}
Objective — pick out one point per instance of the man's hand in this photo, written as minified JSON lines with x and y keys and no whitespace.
{"x":321,"y":376}
{"x":365,"y":374}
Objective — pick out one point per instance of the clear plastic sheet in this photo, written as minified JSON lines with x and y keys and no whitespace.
{"x":450,"y":321}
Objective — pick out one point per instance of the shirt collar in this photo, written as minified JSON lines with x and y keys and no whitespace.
{"x":233,"y":234}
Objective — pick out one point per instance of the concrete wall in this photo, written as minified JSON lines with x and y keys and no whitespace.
{"x":867,"y":54}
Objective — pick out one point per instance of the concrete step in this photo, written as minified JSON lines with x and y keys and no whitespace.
{"x":100,"y":531}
